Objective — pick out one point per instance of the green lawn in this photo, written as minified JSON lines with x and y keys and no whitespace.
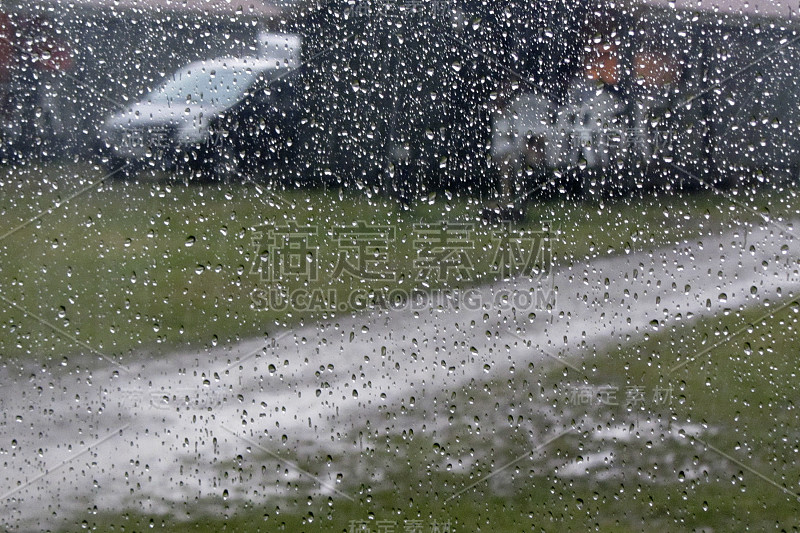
{"x":155,"y":265}
{"x":743,"y":393}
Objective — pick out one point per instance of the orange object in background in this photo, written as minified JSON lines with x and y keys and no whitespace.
{"x":55,"y":59}
{"x":49,"y":53}
{"x":655,"y":68}
{"x":7,"y":62}
{"x":602,"y":63}
{"x":7,"y":52}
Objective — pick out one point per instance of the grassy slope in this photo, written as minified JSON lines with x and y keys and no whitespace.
{"x":744,"y":391}
{"x":127,"y":266}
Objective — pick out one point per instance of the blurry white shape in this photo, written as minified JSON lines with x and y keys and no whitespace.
{"x":283,"y":47}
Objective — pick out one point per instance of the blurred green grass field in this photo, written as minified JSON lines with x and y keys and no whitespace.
{"x":743,"y":394}
{"x":155,"y":265}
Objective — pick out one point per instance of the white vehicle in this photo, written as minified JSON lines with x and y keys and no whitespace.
{"x":284,"y":48}
{"x":176,"y":119}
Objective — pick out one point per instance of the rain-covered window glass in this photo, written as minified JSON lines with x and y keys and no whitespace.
{"x":399,"y":266}
{"x":199,"y":85}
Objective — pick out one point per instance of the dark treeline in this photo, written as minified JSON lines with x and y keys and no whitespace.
{"x":402,"y":94}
